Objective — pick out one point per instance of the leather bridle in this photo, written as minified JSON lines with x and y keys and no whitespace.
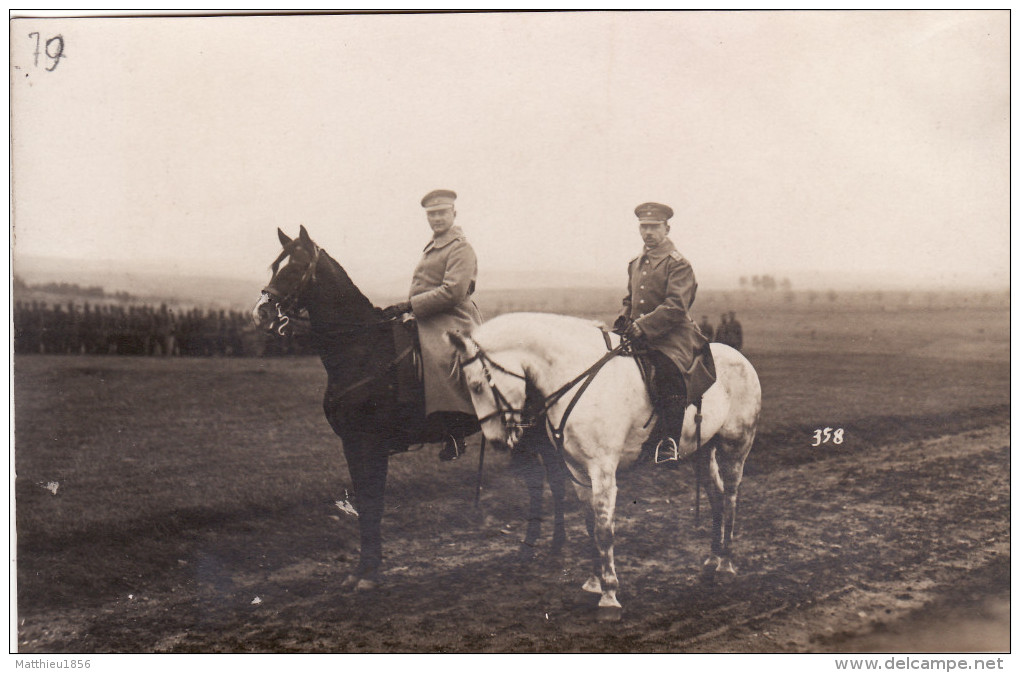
{"x":516,"y":420}
{"x":289,"y":303}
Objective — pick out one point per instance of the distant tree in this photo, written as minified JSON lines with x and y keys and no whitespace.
{"x":786,"y":285}
{"x":831,"y":295}
{"x":756,"y":282}
{"x":743,"y":282}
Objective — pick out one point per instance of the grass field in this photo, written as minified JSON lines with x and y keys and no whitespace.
{"x":138,"y":474}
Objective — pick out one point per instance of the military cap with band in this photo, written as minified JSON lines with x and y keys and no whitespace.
{"x":439,"y":199}
{"x":653,"y":212}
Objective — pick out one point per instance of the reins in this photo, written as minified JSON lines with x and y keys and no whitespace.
{"x":291,"y":302}
{"x":505,"y":411}
{"x":376,"y":374}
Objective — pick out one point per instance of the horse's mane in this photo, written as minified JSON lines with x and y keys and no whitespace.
{"x":549,"y":335}
{"x":353,"y":294}
{"x":345,"y":286}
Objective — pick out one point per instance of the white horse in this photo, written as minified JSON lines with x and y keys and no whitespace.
{"x":608,"y":422}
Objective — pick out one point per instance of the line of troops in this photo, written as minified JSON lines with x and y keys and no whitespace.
{"x":114,"y":329}
{"x":729,"y":331}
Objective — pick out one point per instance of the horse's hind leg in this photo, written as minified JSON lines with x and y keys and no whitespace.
{"x":707,"y":467}
{"x":731,"y":457}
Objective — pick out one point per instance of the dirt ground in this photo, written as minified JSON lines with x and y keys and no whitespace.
{"x":902,"y":547}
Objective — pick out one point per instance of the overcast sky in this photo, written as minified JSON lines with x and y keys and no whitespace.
{"x":871,"y":143}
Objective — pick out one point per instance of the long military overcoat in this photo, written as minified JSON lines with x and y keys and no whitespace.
{"x":661,"y":290}
{"x":440,"y":296}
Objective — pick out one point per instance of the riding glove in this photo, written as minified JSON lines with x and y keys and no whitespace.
{"x":634,"y":333}
{"x":621,"y":325}
{"x":396,"y":310}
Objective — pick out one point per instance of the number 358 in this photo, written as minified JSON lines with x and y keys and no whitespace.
{"x":825,"y":435}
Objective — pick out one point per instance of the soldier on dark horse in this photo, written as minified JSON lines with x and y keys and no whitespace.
{"x":373,"y":400}
{"x":440,"y":299}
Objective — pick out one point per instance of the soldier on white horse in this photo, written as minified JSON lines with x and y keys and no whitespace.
{"x":593,"y":403}
{"x":656,"y":317}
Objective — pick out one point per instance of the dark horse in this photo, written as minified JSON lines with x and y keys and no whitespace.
{"x":362,"y":402}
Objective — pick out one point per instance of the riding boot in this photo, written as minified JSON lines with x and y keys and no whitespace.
{"x":669,"y":396}
{"x":671,"y":423}
{"x":455,"y":446}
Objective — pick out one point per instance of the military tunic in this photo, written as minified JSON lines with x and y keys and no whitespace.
{"x":661,"y":291}
{"x":440,"y":296}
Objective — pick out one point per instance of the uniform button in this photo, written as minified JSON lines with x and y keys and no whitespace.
{"x":642,"y":287}
{"x":642,"y":301}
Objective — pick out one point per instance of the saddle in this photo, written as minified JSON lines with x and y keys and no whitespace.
{"x":409,"y":374}
{"x":409,"y":379}
{"x":696,"y":379}
{"x":701,"y":374}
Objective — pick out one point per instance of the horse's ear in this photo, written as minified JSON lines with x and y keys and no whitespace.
{"x":457,"y":340}
{"x":284,"y":238}
{"x":305,"y":238}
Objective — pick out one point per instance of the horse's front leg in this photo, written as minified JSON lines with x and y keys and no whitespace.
{"x":527,"y":465}
{"x":603,"y":507}
{"x":368,"y":463}
{"x":556,"y":473}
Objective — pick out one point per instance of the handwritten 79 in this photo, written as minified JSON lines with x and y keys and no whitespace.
{"x":54,"y":49}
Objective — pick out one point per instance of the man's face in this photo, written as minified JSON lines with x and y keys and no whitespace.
{"x":653,"y":233}
{"x":441,"y":220}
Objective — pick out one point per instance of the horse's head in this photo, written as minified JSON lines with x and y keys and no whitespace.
{"x":287,"y":290}
{"x":498,"y":391}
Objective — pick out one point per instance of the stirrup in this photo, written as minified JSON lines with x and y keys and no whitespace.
{"x":458,"y":446}
{"x":672,"y":451}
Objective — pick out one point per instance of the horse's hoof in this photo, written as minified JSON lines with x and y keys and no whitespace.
{"x":726,"y":572}
{"x":592,"y":585}
{"x":365,"y":585}
{"x":526,"y":553}
{"x":708,"y":571}
{"x":724,"y":577}
{"x":360,"y":583}
{"x":610,"y":613}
